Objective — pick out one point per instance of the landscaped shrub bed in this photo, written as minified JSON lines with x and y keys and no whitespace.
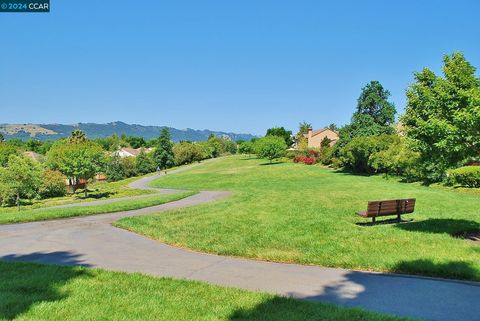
{"x":304,"y":159}
{"x":468,"y":176}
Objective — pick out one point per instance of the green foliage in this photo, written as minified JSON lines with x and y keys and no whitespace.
{"x":374,"y":115}
{"x":20,"y":178}
{"x":6,"y":150}
{"x":130,"y":166}
{"x":77,"y":136}
{"x":144,"y":163}
{"x":163,"y":153}
{"x":270,"y":147}
{"x":186,"y":152}
{"x":373,"y":101}
{"x":245,"y":148}
{"x":468,"y":176}
{"x":2,"y":139}
{"x":303,"y":128}
{"x":53,"y":184}
{"x":357,"y":155}
{"x":77,"y":159}
{"x":325,"y":142}
{"x":283,"y":133}
{"x":115,"y":169}
{"x":111,"y":143}
{"x":33,"y":145}
{"x":443,"y":116}
{"x":136,"y":141}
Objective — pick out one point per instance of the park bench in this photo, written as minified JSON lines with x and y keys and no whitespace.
{"x":388,"y":207}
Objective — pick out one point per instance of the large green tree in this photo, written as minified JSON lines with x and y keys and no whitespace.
{"x":270,"y":147}
{"x":76,"y":159}
{"x":163,"y":153}
{"x":443,"y":116}
{"x":375,"y":115}
{"x":281,"y":132}
{"x":20,"y":178}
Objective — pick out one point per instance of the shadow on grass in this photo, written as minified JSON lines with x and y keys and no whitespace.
{"x":384,"y":222}
{"x":271,"y":163}
{"x":93,"y":195}
{"x":450,"y":226}
{"x":24,"y":285}
{"x":452,"y":269}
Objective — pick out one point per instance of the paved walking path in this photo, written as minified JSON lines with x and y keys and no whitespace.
{"x":92,"y":241}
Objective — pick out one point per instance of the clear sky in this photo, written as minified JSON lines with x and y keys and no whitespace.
{"x":232,"y":65}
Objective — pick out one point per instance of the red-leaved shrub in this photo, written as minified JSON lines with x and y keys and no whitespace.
{"x":309,"y":160}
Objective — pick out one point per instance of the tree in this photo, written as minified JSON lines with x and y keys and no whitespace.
{"x":281,"y":132}
{"x":163,"y":153}
{"x":333,"y":127}
{"x":245,"y":148}
{"x":114,"y":169}
{"x":270,"y":147}
{"x":136,"y":142}
{"x":5,"y":151}
{"x":21,"y":178}
{"x":186,"y":152}
{"x":2,"y":139}
{"x":77,"y":160}
{"x":303,"y":128}
{"x":442,"y":117}
{"x":373,"y":101}
{"x":77,"y":136}
{"x":374,"y":115}
{"x":144,"y":163}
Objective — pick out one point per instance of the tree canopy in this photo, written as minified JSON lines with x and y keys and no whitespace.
{"x":281,"y":132}
{"x":443,"y":116}
{"x":163,"y":153}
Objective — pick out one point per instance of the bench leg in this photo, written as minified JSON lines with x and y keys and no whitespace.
{"x":399,"y":218}
{"x":373,"y":219}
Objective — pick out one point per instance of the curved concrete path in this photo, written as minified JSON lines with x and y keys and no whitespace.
{"x":92,"y":241}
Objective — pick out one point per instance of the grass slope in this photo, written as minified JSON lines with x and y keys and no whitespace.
{"x":54,"y":293}
{"x":305,"y":214}
{"x":56,"y":213}
{"x":97,"y":191}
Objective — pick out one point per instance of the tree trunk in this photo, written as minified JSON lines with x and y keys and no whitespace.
{"x":86,"y":190}
{"x":18,"y":202}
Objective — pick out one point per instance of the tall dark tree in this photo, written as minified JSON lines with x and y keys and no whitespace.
{"x":375,"y":115}
{"x":373,"y":101}
{"x":163,"y":154}
{"x":77,"y":136}
{"x":282,"y":133}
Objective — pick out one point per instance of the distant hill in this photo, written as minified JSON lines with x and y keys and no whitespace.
{"x":56,"y":131}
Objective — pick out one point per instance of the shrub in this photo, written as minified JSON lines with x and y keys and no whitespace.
{"x":468,"y":176}
{"x":53,"y":184}
{"x":270,"y":147}
{"x":309,"y":160}
{"x":114,"y":169}
{"x":144,"y":163}
{"x":186,"y":152}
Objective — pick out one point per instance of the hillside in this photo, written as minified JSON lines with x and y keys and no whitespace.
{"x":56,"y":131}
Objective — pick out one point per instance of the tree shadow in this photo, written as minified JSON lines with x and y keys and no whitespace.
{"x":440,"y":226}
{"x":93,"y":195}
{"x":272,"y":163}
{"x":407,"y":295}
{"x":23,"y":285}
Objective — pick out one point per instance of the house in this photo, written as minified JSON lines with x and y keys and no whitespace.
{"x":315,"y":137}
{"x":131,"y":152}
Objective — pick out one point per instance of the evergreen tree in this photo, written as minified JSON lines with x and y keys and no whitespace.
{"x":163,"y":154}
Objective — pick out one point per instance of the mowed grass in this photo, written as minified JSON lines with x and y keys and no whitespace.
{"x":305,"y":214}
{"x":57,"y":213}
{"x":41,"y":292}
{"x":97,"y":191}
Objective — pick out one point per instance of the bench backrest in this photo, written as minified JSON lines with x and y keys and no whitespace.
{"x":390,"y":207}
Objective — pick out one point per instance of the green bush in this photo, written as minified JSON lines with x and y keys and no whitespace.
{"x":468,"y":176}
{"x":53,"y":184}
{"x":270,"y":147}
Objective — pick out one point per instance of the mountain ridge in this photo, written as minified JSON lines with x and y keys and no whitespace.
{"x":94,"y":130}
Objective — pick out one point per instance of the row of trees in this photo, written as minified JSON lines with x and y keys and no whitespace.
{"x":439,"y":131}
{"x":78,"y":159}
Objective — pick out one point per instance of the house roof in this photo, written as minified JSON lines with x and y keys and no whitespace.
{"x":319,"y":131}
{"x":135,"y":151}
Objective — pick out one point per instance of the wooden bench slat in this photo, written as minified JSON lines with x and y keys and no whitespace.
{"x":389,"y":207}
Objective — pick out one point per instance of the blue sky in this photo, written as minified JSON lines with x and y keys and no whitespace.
{"x":228,"y":65}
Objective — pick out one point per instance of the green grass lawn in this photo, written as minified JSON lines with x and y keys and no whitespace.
{"x":56,"y":213}
{"x":41,"y":292}
{"x":97,"y":191}
{"x":305,"y":214}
